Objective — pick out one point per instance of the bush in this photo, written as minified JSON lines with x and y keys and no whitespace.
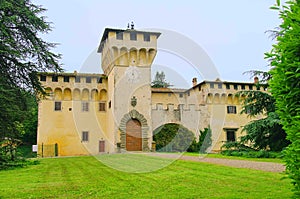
{"x":172,"y":137}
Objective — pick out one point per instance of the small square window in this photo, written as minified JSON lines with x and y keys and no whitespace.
{"x":54,"y":78}
{"x":250,"y":87}
{"x":230,"y":135}
{"x":219,"y":85}
{"x":258,"y":88}
{"x":57,"y":106}
{"x":227,"y":86}
{"x":180,"y":95}
{"x":88,"y":79}
{"x":85,"y":106}
{"x":243,"y":87}
{"x":146,"y":37}
{"x":231,"y":109}
{"x":77,"y":79}
{"x":212,"y":85}
{"x":133,"y":36}
{"x":85,"y":136}
{"x":43,"y":78}
{"x":66,"y":79}
{"x":235,"y":87}
{"x":99,"y":80}
{"x":119,"y":35}
{"x":102,"y":106}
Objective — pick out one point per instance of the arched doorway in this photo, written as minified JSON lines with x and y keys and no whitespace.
{"x":133,"y":135}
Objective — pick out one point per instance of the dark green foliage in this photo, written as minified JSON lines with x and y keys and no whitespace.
{"x":204,"y":142}
{"x":172,"y":137}
{"x":22,"y":55}
{"x":267,"y":132}
{"x":284,"y":59}
{"x":252,"y":153}
{"x":160,"y":81}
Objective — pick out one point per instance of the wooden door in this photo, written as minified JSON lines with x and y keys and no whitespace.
{"x":101,"y":146}
{"x":133,"y":136}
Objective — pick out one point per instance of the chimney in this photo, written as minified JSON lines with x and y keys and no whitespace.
{"x":194,"y":81}
{"x":256,"y":80}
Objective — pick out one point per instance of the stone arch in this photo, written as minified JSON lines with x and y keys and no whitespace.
{"x":57,"y":94}
{"x":85,"y":94}
{"x":94,"y":95}
{"x":142,"y":57}
{"x":235,"y":99}
{"x":133,"y":114}
{"x":123,"y":56}
{"x":67,"y":94}
{"x":133,"y":54}
{"x":115,"y":52}
{"x":217,"y":98}
{"x":230,"y":99}
{"x":76,"y":94}
{"x":103,"y":95}
{"x":49,"y":93}
{"x":151,"y":55}
{"x":223,"y":98}
{"x":209,"y":98}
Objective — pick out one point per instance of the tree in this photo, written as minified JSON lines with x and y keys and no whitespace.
{"x":203,"y":143}
{"x":267,"y":132}
{"x":160,"y":81}
{"x":23,"y":53}
{"x":284,"y":59}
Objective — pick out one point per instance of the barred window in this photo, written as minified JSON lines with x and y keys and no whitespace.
{"x":85,"y":136}
{"x":231,"y":109}
{"x":230,"y":135}
{"x":57,"y":106}
{"x":102,"y":106}
{"x":85,"y":106}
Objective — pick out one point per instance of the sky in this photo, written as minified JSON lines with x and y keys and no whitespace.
{"x":231,"y":33}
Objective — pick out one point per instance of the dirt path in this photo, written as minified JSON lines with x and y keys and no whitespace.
{"x":264,"y":166}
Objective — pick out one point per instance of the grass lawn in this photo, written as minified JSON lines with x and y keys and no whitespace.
{"x":218,"y":155}
{"x":87,"y":177}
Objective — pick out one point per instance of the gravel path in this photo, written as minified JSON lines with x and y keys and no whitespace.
{"x":264,"y":166}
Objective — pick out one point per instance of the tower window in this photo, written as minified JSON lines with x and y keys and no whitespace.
{"x":85,"y":136}
{"x":85,"y":106}
{"x":133,"y":36}
{"x":66,"y":78}
{"x":54,"y":78}
{"x":43,"y":78}
{"x":230,"y":135}
{"x":119,"y":35}
{"x":231,"y":109}
{"x":146,"y":37}
{"x":57,"y":106}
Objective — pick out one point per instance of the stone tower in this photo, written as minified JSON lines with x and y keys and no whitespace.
{"x":127,"y":56}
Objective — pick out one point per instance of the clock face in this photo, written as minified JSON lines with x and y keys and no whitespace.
{"x":132,"y":74}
